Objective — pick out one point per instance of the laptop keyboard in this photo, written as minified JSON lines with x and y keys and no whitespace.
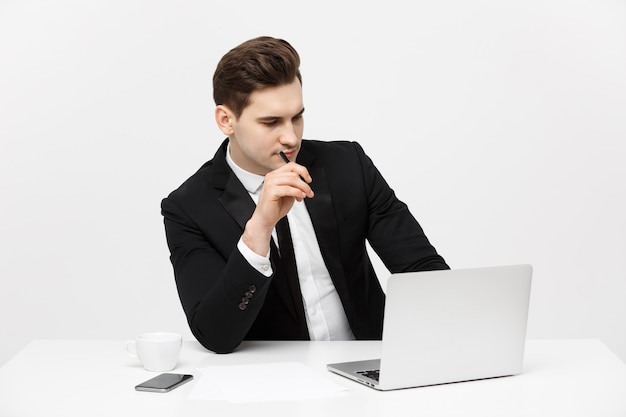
{"x":372,"y":374}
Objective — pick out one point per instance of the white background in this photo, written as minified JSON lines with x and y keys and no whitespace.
{"x":501,"y":123}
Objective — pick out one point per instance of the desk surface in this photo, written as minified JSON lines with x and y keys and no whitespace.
{"x":97,"y":378}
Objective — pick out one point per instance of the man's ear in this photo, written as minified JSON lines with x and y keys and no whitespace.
{"x":224,"y":118}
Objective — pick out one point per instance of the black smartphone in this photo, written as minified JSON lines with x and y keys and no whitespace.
{"x":164,"y":382}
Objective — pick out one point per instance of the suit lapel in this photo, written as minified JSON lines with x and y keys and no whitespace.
{"x":322,"y":215}
{"x":231,"y":193}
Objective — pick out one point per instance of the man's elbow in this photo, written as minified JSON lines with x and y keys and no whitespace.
{"x":217,"y":344}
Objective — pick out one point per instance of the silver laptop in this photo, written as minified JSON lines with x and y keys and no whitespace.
{"x":449,"y":326}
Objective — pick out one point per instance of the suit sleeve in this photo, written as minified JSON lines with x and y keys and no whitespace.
{"x":221,"y":293}
{"x":393,"y":232}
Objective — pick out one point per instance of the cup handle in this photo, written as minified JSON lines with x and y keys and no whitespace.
{"x":131,"y":348}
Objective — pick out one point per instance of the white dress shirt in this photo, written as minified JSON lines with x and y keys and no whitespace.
{"x":325,"y":316}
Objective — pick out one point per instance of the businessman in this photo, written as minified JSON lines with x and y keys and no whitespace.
{"x":268,"y":238}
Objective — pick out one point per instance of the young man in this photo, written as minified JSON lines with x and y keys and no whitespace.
{"x":232,"y":269}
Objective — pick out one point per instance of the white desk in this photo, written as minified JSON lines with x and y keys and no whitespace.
{"x":97,"y":378}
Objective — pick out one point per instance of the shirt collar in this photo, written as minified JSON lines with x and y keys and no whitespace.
{"x":251,"y":182}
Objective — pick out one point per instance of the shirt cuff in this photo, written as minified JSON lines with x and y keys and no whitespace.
{"x":258,"y":262}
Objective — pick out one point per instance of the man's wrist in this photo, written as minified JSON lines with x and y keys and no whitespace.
{"x":257,"y":238}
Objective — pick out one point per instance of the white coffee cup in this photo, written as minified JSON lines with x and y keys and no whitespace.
{"x":158,"y":352}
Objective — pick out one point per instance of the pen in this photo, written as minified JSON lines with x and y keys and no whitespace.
{"x":282,"y":155}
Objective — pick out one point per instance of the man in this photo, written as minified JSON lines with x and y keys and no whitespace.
{"x":232,"y":268}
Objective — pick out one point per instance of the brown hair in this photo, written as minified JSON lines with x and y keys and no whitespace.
{"x":255,"y":64}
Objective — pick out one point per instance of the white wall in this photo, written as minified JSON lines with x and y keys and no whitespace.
{"x":502,"y":124}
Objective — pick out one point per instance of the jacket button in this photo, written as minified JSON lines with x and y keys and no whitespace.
{"x":242,"y":306}
{"x":252,"y":288}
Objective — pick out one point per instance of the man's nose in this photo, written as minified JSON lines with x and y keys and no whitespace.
{"x":289,"y":135}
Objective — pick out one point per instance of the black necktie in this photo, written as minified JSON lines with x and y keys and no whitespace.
{"x":288,"y":260}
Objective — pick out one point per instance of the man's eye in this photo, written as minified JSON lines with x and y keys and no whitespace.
{"x":270,"y":123}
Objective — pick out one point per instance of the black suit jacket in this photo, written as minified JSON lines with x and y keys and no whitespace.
{"x":205,"y":217}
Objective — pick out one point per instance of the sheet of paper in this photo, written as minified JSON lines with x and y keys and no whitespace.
{"x":278,"y":381}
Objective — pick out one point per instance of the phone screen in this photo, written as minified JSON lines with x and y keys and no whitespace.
{"x":164,"y":382}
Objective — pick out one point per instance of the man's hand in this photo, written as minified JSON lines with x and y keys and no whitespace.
{"x":281,"y":188}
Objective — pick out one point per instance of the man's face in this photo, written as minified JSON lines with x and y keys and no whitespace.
{"x":272,"y":122}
